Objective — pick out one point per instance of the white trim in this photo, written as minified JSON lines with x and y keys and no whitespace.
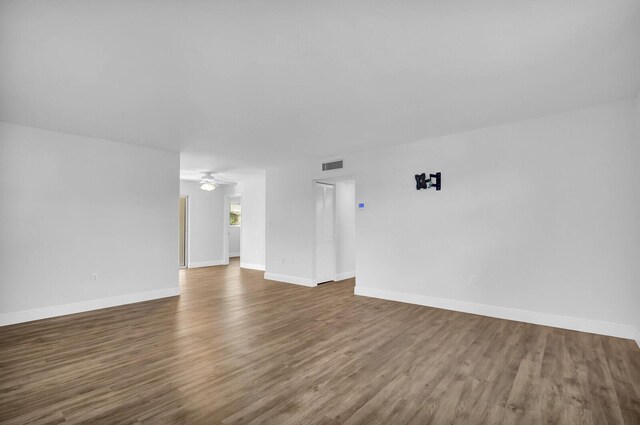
{"x":304,"y":281}
{"x":234,"y":254}
{"x":207,"y":264}
{"x":251,"y":266}
{"x":345,"y":275}
{"x":545,"y":319}
{"x":82,"y":306}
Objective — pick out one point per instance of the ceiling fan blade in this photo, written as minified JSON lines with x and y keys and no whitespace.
{"x":222,"y":180}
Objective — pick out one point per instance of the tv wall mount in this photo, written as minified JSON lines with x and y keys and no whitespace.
{"x":434,"y":180}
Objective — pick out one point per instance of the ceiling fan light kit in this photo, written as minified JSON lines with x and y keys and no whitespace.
{"x":208,"y":186}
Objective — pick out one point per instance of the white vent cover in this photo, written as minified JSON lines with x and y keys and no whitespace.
{"x":335,"y":165}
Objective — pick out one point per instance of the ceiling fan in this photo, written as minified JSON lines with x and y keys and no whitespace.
{"x":209,"y":182}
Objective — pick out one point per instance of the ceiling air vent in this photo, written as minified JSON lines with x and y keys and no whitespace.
{"x":335,"y":165}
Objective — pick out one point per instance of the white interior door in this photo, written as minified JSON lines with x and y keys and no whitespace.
{"x":324,"y":194}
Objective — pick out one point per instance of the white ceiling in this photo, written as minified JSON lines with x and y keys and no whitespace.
{"x":243,"y":83}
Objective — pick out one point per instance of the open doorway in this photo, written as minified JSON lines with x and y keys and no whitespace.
{"x":183,"y":246}
{"x":334,"y":230}
{"x":235,"y":226}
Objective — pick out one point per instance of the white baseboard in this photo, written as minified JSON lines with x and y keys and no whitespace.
{"x":234,"y":254}
{"x":345,"y":275}
{"x":290,"y":279}
{"x":545,"y":319}
{"x":197,"y":264}
{"x":79,"y":307}
{"x":251,"y":266}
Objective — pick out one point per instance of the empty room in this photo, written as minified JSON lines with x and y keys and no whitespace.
{"x":335,"y":212}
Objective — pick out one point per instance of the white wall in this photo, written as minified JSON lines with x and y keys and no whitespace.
{"x":206,"y":211}
{"x":73,"y":206}
{"x":543,"y":212}
{"x":234,"y":241}
{"x":290,"y":220}
{"x":540,"y":211}
{"x":345,"y":234}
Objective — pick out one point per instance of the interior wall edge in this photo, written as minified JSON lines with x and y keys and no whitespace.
{"x":251,"y":266}
{"x":345,"y":275}
{"x":296,"y":280}
{"x":197,"y":264}
{"x":84,"y":306}
{"x":537,"y":318}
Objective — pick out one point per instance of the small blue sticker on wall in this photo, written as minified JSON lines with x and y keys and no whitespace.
{"x":361,"y":205}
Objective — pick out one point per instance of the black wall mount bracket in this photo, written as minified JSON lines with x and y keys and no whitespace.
{"x":434,"y":180}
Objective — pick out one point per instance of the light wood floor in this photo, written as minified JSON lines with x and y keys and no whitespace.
{"x":237,"y":349}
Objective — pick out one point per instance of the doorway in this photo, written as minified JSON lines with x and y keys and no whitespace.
{"x":235,"y":226}
{"x":183,"y":231}
{"x":335,"y":207}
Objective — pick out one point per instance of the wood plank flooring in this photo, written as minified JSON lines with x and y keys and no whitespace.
{"x":236,"y":349}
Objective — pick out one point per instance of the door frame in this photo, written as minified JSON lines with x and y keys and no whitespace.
{"x":330,"y":181}
{"x":187,"y":228}
{"x":316,"y":280}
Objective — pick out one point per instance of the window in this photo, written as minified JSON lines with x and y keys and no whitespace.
{"x":235,"y":214}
